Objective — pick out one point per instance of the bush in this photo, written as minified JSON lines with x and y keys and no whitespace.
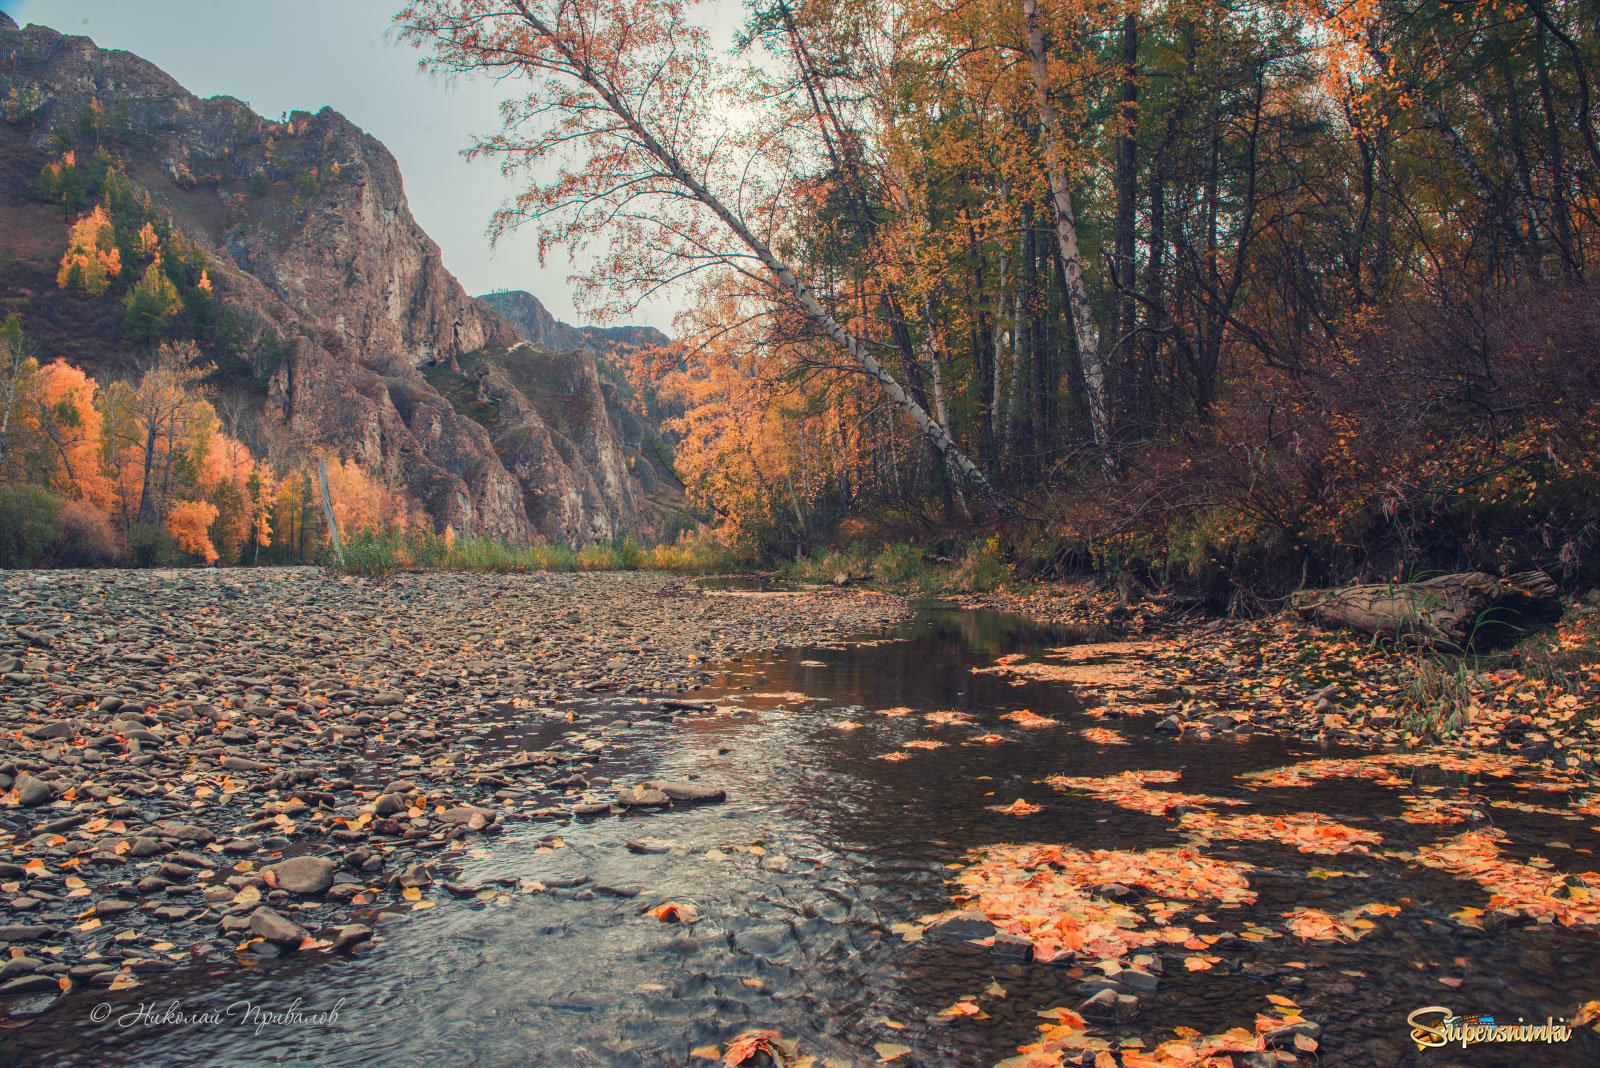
{"x":29,"y":523}
{"x":151,"y":544}
{"x":86,"y":538}
{"x":372,"y":555}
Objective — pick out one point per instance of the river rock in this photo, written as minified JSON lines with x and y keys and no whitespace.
{"x":962,"y":925}
{"x":30,"y":791}
{"x":300,"y":875}
{"x":276,"y":928}
{"x":642,"y":797}
{"x":465,"y":813}
{"x":687,"y":792}
{"x":350,"y":936}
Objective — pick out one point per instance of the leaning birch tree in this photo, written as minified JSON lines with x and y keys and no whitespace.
{"x":661,"y":149}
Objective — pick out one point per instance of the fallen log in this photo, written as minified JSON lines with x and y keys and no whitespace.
{"x":1471,"y":608}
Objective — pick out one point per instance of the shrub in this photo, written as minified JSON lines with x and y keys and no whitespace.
{"x":29,"y":523}
{"x":372,"y":554}
{"x":984,"y":566}
{"x":152,"y":545}
{"x":87,"y":538}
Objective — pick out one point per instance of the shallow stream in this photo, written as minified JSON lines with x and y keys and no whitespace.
{"x":805,"y":880}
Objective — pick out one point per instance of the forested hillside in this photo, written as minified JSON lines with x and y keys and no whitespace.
{"x":1247,"y":295}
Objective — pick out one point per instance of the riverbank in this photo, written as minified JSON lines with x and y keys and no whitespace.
{"x":1534,"y":701}
{"x":199,"y":761}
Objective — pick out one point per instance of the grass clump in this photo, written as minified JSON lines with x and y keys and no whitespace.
{"x":375,"y":554}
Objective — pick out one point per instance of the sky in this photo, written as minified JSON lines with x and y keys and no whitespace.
{"x":289,"y":55}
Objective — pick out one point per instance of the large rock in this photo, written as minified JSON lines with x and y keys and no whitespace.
{"x":276,"y":928}
{"x":687,"y":792}
{"x":301,"y":875}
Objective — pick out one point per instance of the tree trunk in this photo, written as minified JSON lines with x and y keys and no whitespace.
{"x":1127,"y":192}
{"x":327,"y":511}
{"x":1094,"y":373}
{"x":1453,"y":610}
{"x":941,"y":442}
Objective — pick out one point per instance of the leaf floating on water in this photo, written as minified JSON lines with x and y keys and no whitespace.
{"x":672,"y":912}
{"x":888,"y":1051}
{"x":1019,"y":807}
{"x":411,"y":893}
{"x":908,"y":932}
{"x":709,"y":1053}
{"x":886,"y":1022}
{"x":1030,"y":721}
{"x":751,"y":1043}
{"x":994,"y":989}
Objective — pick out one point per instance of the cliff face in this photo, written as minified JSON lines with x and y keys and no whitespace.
{"x":589,"y":359}
{"x":340,"y":302}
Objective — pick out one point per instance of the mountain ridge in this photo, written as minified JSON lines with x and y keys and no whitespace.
{"x":334,"y":299}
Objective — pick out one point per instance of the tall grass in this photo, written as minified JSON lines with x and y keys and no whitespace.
{"x":375,"y":554}
{"x":908,"y":568}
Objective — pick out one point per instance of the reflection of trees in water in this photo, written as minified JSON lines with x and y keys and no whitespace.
{"x":998,"y":633}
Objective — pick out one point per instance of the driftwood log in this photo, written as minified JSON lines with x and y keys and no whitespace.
{"x":1471,"y":608}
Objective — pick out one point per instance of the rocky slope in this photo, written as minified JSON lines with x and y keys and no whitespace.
{"x":336,"y":299}
{"x":596,"y":384}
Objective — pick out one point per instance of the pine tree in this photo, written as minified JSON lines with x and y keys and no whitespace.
{"x":150,"y":305}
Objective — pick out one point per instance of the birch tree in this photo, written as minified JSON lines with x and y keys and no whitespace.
{"x":649,"y":121}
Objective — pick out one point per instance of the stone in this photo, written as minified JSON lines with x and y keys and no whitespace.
{"x":651,"y":845}
{"x":1110,"y":1006}
{"x":1283,"y":1037}
{"x":350,"y":936}
{"x":962,"y":925}
{"x":31,"y":791}
{"x":300,"y":875}
{"x":29,"y":984}
{"x":277,"y":929}
{"x":463,"y":814}
{"x":688,"y":792}
{"x":642,"y":797}
{"x":1012,"y":948}
{"x":1138,"y":980}
{"x":25,"y":932}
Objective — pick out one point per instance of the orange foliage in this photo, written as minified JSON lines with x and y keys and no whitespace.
{"x":74,"y":425}
{"x":190,"y":524}
{"x":360,"y":503}
{"x":92,"y":258}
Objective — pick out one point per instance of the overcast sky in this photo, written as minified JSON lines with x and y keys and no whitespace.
{"x":287,"y":55}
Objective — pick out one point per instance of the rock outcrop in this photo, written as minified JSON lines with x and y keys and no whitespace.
{"x":338,"y":305}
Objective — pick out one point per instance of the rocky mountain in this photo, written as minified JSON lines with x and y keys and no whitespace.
{"x":535,"y":323}
{"x":341,"y":328}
